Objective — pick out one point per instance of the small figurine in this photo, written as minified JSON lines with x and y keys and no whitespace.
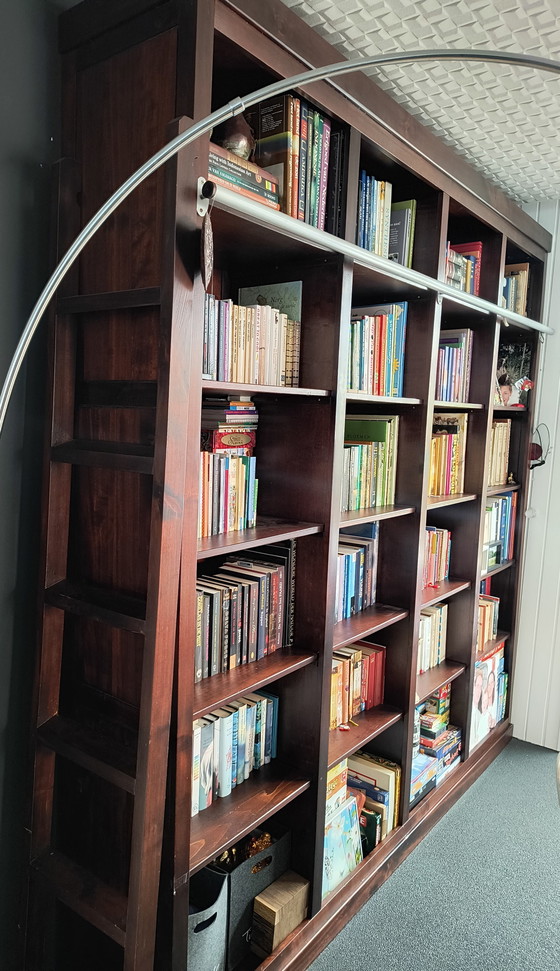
{"x":236,"y":135}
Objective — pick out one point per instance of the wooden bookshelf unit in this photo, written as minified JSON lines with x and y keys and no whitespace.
{"x":113,"y":845}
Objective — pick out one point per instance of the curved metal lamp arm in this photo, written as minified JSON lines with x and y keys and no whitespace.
{"x":233,"y":108}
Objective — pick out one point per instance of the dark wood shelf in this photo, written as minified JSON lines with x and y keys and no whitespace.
{"x":434,"y":678}
{"x":498,"y":490}
{"x":81,"y":891}
{"x":266,"y":530}
{"x":368,"y":725}
{"x":457,"y":406}
{"x":366,"y":622}
{"x":84,"y":303}
{"x":374,"y":514}
{"x":490,"y":645}
{"x":445,"y":589}
{"x":438,"y":502}
{"x":93,"y":749}
{"x":218,"y":690}
{"x":498,"y":569}
{"x":128,"y":613}
{"x":249,"y":805}
{"x":107,"y":455}
{"x":223,"y":387}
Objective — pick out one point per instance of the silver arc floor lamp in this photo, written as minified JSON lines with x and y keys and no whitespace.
{"x":235,"y":107}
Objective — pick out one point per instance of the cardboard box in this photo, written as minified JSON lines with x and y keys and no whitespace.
{"x":207,"y":924}
{"x":277,"y":911}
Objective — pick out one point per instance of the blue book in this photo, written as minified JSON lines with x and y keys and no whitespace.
{"x":401,"y":310}
{"x":272,"y":727}
{"x":372,"y":792}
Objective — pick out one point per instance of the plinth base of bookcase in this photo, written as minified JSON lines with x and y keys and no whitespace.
{"x":310,"y":938}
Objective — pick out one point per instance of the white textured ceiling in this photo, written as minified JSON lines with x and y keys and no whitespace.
{"x":504,"y":120}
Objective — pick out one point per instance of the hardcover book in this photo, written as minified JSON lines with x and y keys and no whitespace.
{"x":343,"y":845}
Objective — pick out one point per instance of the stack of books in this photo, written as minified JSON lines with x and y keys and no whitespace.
{"x":439,"y":748}
{"x":356,"y":577}
{"x":488,"y":611}
{"x":357,"y":680}
{"x":454,"y":365}
{"x":432,"y":637}
{"x":256,"y":344}
{"x":230,"y":743}
{"x":463,"y":265}
{"x":516,"y":284}
{"x":376,"y":349}
{"x":437,"y":556}
{"x":293,"y":143}
{"x":242,"y":176}
{"x":380,"y":780}
{"x":228,"y":486}
{"x":447,"y":454}
{"x":369,"y":461}
{"x":245,"y":609}
{"x":499,"y":452}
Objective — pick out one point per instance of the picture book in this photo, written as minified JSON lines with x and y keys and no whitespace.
{"x":513,"y":372}
{"x":343,"y":845}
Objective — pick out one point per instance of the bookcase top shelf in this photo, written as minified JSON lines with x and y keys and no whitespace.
{"x":393,"y":276}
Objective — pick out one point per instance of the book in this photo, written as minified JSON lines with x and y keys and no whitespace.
{"x":471,"y":252}
{"x":401,"y":235}
{"x":343,"y":845}
{"x":195,"y":769}
{"x":513,"y":373}
{"x":516,"y":286}
{"x":272,"y":124}
{"x":206,"y":765}
{"x":380,"y":773}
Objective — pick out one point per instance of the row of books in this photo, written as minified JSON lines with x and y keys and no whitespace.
{"x":498,"y":465}
{"x":454,"y":365}
{"x":447,"y":454}
{"x":255,"y":344}
{"x":230,"y":743}
{"x":437,"y":556}
{"x":516,"y":284}
{"x":432,"y":637}
{"x":374,"y":214}
{"x":489,"y":693}
{"x":488,"y":611}
{"x":356,"y":576}
{"x":357,"y":681}
{"x":228,"y":493}
{"x":499,"y":529}
{"x":462,"y":266}
{"x":376,"y":349}
{"x":244,"y":609}
{"x":370,"y":461}
{"x":228,"y":488}
{"x":227,"y":169}
{"x":293,"y":143}
{"x":380,"y":779}
{"x":384,"y":227}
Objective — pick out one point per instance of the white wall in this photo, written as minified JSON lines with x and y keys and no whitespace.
{"x":536,"y":691}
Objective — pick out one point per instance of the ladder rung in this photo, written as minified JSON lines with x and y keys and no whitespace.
{"x":108,"y":455}
{"x":128,"y":613}
{"x":95,"y":750}
{"x":81,"y":891}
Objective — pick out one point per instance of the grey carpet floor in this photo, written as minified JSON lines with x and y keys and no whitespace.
{"x":480,"y":893}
